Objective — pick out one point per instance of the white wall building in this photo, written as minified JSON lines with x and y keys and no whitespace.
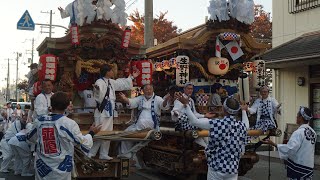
{"x":295,"y":57}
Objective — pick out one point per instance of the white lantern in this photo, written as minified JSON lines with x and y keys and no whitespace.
{"x":165,"y":64}
{"x":173,"y":62}
{"x":248,"y":66}
{"x":258,"y":73}
{"x":158,"y":66}
{"x":218,"y":65}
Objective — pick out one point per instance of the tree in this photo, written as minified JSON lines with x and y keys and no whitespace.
{"x":23,"y":85}
{"x":163,"y":28}
{"x":261,"y":28}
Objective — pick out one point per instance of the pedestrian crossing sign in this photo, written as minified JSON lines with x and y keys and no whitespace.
{"x":26,"y":22}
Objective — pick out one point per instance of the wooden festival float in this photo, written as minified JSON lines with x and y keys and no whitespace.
{"x":77,"y":66}
{"x":192,"y":57}
{"x":189,"y":57}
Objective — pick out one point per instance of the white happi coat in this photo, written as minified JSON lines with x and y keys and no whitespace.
{"x":105,"y":118}
{"x":120,"y":84}
{"x":299,"y":152}
{"x":41,"y":104}
{"x":6,"y":149}
{"x":256,"y":108}
{"x":180,"y":110}
{"x":144,"y":105}
{"x":56,"y":136}
{"x":19,"y":139}
{"x":144,"y":120}
{"x":89,"y":101}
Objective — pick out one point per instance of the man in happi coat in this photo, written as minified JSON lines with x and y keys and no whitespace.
{"x":179,"y":115}
{"x":227,"y":138}
{"x":55,"y":136}
{"x":42,"y":103}
{"x":105,"y":96}
{"x":21,"y":148}
{"x":299,"y":151}
{"x":7,"y":152}
{"x":149,"y":111}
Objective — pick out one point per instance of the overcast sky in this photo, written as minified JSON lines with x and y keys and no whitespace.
{"x":184,"y":13}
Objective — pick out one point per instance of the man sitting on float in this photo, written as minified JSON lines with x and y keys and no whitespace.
{"x":149,"y":111}
{"x":266,"y":108}
{"x":179,"y":115}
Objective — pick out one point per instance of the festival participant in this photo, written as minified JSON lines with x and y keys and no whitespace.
{"x":179,"y":114}
{"x":266,"y":108}
{"x":299,"y":151}
{"x":20,"y":148}
{"x":149,"y":111}
{"x":227,"y":138}
{"x":89,"y":101}
{"x":17,"y":113}
{"x":55,"y":136}
{"x":7,"y":153}
{"x":42,"y":103}
{"x":104,"y":92}
{"x":215,"y":98}
{"x":9,"y":112}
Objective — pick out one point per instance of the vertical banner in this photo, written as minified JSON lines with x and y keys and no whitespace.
{"x":145,"y":68}
{"x":47,"y":67}
{"x":182,"y":70}
{"x":75,"y":40}
{"x":258,"y":73}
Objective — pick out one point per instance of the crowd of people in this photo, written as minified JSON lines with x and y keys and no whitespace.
{"x":41,"y":141}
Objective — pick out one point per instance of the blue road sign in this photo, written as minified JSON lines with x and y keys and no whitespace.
{"x":26,"y":22}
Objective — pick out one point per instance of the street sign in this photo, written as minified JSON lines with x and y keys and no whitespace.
{"x":26,"y":22}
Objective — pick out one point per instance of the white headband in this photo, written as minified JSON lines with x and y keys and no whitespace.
{"x":304,"y":115}
{"x":229,"y":110}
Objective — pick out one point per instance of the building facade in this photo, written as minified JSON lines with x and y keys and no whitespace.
{"x":295,"y":58}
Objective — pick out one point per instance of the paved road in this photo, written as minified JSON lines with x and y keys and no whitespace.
{"x":259,"y":172}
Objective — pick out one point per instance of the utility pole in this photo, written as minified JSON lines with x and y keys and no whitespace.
{"x":18,"y":55}
{"x":32,"y":49}
{"x":8,"y":82}
{"x":148,"y":29}
{"x":50,"y":25}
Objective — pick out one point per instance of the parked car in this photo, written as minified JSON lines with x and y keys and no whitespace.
{"x":22,"y":104}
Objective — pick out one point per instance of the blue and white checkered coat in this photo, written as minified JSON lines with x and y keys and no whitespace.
{"x":227,"y":139}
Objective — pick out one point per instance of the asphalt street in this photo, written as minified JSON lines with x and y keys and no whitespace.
{"x":259,"y":172}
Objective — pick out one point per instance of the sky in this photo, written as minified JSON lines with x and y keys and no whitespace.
{"x":184,"y":13}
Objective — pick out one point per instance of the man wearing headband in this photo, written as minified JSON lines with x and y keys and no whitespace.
{"x":227,"y":138}
{"x":266,"y":108}
{"x":178,"y":113}
{"x":105,"y":95}
{"x":149,"y":111}
{"x":299,"y":151}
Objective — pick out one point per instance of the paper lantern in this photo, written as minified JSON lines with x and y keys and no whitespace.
{"x":218,"y":65}
{"x":165,"y":64}
{"x":47,"y":67}
{"x":145,"y":76}
{"x":244,"y":92}
{"x":258,"y":73}
{"x":173,"y":62}
{"x":248,"y":66}
{"x":182,"y":70}
{"x":36,"y":88}
{"x":75,"y":40}
{"x":158,"y":66}
{"x":126,"y":38}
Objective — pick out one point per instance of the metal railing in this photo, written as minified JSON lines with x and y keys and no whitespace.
{"x":296,"y":6}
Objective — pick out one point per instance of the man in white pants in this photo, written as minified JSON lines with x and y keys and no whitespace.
{"x":104,"y":92}
{"x":21,"y":149}
{"x":149,"y":111}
